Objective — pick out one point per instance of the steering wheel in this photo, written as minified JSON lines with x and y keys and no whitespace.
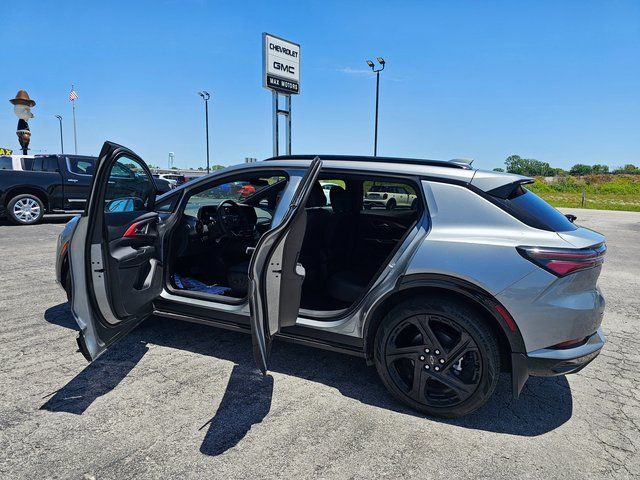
{"x":222,"y":218}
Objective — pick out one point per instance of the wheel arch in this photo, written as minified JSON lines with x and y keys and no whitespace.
{"x":509,"y":337}
{"x":20,"y":190}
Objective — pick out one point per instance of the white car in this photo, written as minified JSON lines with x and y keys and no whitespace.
{"x":173,"y":182}
{"x":389,"y":197}
{"x":326,"y":188}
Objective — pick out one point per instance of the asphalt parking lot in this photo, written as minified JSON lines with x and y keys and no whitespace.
{"x":176,"y":400}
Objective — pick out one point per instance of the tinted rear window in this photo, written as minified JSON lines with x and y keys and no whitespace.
{"x":40,"y":164}
{"x":6,"y":163}
{"x":529,"y":208}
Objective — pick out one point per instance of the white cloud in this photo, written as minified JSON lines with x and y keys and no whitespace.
{"x":355,"y":71}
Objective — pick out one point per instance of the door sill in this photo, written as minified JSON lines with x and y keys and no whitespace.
{"x":287,"y":337}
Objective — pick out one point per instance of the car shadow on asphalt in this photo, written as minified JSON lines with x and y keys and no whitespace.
{"x":544,"y":404}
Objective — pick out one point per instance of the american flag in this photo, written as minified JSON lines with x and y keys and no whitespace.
{"x":72,"y":95}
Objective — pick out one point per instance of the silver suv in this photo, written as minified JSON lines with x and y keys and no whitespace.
{"x":475,"y":277}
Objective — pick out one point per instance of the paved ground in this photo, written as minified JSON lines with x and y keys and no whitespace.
{"x":177,"y":400}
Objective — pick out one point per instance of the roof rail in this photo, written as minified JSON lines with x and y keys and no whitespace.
{"x":361,"y":158}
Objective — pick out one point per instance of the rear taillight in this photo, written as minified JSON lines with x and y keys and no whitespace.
{"x":563,"y":261}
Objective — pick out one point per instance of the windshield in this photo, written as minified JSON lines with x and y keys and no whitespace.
{"x":238,"y":191}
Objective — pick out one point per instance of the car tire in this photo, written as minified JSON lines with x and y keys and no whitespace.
{"x":449,"y":383}
{"x":25,"y":209}
{"x":391,"y":204}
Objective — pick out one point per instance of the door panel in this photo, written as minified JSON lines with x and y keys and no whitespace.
{"x":116,"y":268}
{"x":77,"y":175}
{"x":275,"y":276}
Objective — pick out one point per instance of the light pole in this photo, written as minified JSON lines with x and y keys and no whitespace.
{"x":59,"y":117}
{"x":205,"y":96}
{"x":377,"y":72}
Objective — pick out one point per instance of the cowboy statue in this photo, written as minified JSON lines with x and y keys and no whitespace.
{"x":22,"y":105}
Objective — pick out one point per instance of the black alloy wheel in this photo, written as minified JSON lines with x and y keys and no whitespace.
{"x":438,"y":357}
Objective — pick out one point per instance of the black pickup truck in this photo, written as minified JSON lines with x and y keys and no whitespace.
{"x":31,"y":186}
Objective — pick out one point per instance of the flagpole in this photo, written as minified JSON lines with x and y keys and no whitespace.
{"x":75,"y":135}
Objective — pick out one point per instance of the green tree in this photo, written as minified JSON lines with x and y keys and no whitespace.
{"x":599,"y":168}
{"x":628,"y":168}
{"x":498,"y":169}
{"x":581,"y":169}
{"x":527,"y":166}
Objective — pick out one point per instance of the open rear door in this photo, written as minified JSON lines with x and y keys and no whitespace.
{"x":275,"y":276}
{"x":115,"y":255}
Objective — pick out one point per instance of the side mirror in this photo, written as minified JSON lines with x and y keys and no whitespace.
{"x":571,"y":218}
{"x":126,"y":204}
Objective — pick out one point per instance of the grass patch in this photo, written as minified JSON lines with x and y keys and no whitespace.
{"x":603,"y":192}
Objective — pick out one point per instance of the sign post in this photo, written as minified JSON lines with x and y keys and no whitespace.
{"x":281,"y":75}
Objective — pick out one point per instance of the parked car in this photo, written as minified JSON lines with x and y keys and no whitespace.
{"x":326,"y":188}
{"x":481,"y":277}
{"x":390,"y":197}
{"x":179,"y":179}
{"x":172,"y":183}
{"x":174,"y":179}
{"x":31,"y":186}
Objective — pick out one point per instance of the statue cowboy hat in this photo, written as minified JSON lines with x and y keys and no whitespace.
{"x":22,"y":98}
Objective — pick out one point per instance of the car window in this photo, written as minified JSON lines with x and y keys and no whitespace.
{"x":41,"y":164}
{"x":238,"y":190}
{"x":167,"y":204}
{"x":530,"y":209}
{"x":126,"y":190}
{"x":81,"y":166}
{"x":6,"y":163}
{"x":389,"y":195}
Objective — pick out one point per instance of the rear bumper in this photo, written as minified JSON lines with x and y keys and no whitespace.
{"x":374,"y":202}
{"x":549,"y":362}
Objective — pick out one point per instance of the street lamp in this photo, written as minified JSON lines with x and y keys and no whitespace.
{"x":377,"y":72}
{"x":205,"y":96}
{"x":59,"y":117}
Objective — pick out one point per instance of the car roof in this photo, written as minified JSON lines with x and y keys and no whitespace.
{"x":382,"y":165}
{"x":441,"y":169}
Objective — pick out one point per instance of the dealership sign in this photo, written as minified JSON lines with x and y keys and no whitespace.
{"x":5,"y":151}
{"x":280,"y":64}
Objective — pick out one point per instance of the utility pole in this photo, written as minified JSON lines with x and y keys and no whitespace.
{"x":377,"y":72}
{"x":59,"y":117}
{"x":205,"y":96}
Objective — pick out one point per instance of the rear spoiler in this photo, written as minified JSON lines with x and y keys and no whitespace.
{"x":505,"y":191}
{"x":497,"y":184}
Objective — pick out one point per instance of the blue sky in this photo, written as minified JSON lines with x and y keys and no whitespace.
{"x":554,"y":80}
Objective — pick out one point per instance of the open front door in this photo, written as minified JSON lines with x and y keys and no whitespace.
{"x":275,"y":276}
{"x":115,"y":255}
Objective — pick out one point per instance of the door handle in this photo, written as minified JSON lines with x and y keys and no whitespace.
{"x":72,"y":180}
